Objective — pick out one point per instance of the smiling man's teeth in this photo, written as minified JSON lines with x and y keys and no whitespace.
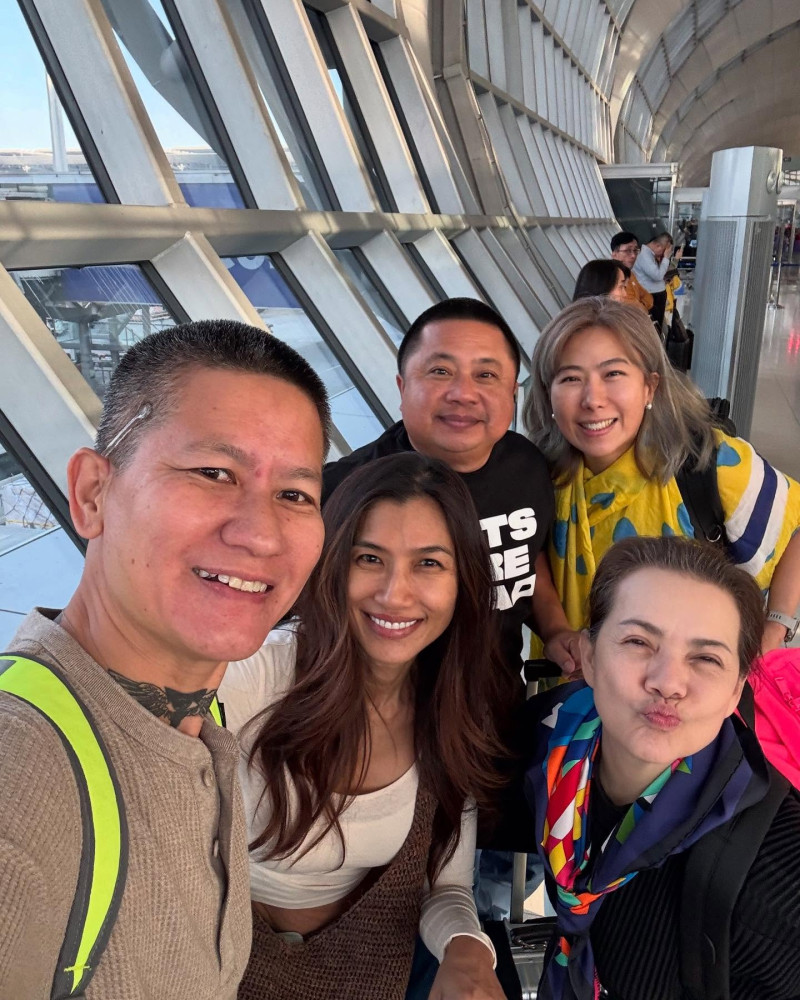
{"x":598,"y":425}
{"x":392,"y":625}
{"x":248,"y":586}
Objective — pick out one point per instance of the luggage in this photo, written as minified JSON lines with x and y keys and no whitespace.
{"x":521,"y":944}
{"x":679,"y":343}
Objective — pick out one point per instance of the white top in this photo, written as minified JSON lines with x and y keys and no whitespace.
{"x":374,"y":825}
{"x":649,"y":272}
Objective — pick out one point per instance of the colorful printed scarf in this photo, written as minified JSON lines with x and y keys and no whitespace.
{"x":761,"y":506}
{"x":687,"y":800}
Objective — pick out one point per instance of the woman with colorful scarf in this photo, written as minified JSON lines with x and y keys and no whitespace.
{"x":633,"y":768}
{"x":617,"y":423}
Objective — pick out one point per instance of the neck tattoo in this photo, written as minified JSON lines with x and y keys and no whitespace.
{"x":166,"y":703}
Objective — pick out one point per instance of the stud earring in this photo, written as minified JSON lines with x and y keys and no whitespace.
{"x":552,"y":416}
{"x":649,"y":406}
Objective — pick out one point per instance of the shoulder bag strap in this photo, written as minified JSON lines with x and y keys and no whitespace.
{"x":700,"y":492}
{"x":104,"y":853}
{"x":716,"y":869}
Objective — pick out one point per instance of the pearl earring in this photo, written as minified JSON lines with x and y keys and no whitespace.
{"x":552,"y":416}
{"x":649,"y":406}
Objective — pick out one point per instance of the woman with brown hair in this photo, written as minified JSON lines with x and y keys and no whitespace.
{"x":603,"y":277}
{"x":370,"y":746}
{"x":646,"y":793}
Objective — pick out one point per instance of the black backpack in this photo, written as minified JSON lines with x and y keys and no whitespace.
{"x":717,"y":867}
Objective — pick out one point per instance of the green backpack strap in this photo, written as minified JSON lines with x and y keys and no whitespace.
{"x":217,"y":712}
{"x":104,"y":855}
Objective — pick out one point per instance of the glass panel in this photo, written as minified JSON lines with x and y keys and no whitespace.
{"x":349,"y":104}
{"x":40,"y":158}
{"x":284,"y":111}
{"x":385,"y":310}
{"x":173,"y":102}
{"x":401,"y":117}
{"x":285,"y":317}
{"x":95,"y":313}
{"x":427,"y":274}
{"x":39,"y":565}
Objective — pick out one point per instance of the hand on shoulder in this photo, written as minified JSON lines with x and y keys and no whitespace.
{"x":564,"y":649}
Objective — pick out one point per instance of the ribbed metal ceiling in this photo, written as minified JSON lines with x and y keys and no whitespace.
{"x":698,"y":76}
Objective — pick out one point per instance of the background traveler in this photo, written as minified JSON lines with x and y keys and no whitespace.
{"x":603,"y":277}
{"x":625,"y":249}
{"x":650,"y":268}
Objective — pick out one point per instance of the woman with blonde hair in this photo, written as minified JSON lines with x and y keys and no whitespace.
{"x":619,"y":428}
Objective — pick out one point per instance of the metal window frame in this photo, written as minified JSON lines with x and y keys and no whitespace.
{"x":287,"y":29}
{"x":114,"y":115}
{"x":228,"y":87}
{"x":356,"y":120}
{"x":372,"y":97}
{"x":69,"y":104}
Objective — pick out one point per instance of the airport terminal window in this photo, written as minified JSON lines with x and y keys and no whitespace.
{"x":385,"y":310}
{"x":284,"y":109}
{"x":285,"y":318}
{"x":349,"y":104}
{"x":39,"y":565}
{"x":427,"y":274}
{"x":401,"y":117}
{"x":173,"y":102}
{"x":95,"y":313}
{"x":40,"y":158}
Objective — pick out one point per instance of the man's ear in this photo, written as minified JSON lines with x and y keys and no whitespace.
{"x":587,"y":657}
{"x":88,"y":474}
{"x":400,"y":387}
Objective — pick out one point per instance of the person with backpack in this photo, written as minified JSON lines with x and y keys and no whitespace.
{"x":123,"y":844}
{"x":671,"y":847}
{"x":633,"y":450}
{"x":603,"y":277}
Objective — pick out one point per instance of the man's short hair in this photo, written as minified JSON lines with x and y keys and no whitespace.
{"x":460,"y":308}
{"x":662,"y":237}
{"x":622,"y":240}
{"x":151,"y":370}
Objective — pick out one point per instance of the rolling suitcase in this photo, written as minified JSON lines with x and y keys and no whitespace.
{"x":521,"y":944}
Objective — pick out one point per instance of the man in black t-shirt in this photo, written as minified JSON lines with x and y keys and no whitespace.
{"x":458,"y":368}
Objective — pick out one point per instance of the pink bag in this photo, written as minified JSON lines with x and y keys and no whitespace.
{"x":776,"y":690}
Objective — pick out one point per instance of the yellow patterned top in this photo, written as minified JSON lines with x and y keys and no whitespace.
{"x":761,"y":507}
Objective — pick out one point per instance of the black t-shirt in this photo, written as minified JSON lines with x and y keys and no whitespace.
{"x":513,"y":495}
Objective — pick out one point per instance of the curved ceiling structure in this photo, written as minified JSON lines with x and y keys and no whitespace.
{"x":694,"y":77}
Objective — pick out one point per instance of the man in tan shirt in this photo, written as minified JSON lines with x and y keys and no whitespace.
{"x":625,"y":248}
{"x":200,"y":505}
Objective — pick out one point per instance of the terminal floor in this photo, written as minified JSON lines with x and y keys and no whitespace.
{"x":776,"y":421}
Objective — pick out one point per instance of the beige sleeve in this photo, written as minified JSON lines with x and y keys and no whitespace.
{"x":40,"y":843}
